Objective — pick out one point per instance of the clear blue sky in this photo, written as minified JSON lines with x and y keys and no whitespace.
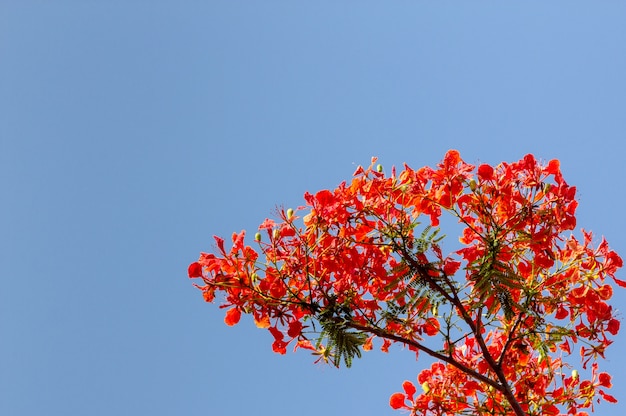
{"x":132,"y":131}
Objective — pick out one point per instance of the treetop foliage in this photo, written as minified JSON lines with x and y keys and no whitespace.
{"x":509,"y":316}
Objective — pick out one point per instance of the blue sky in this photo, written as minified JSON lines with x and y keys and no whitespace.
{"x":131,"y":132}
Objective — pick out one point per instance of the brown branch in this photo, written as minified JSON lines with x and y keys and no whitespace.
{"x":384,"y":334}
{"x":453,"y":298}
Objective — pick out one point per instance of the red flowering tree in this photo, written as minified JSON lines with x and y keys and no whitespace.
{"x":508,"y":317}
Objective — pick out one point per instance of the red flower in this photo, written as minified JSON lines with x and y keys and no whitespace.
{"x":194,"y":270}
{"x":396,"y":401}
{"x":409,"y":389}
{"x":232,"y":316}
{"x":604,"y":380}
{"x":485,"y":172}
{"x":607,"y":397}
{"x":613,"y":326}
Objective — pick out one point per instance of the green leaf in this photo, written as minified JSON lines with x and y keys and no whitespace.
{"x":342,"y":342}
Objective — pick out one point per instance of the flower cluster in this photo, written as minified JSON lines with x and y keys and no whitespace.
{"x":501,"y":314}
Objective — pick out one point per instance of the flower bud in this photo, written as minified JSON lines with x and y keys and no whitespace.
{"x":257,"y":236}
{"x":472,"y":185}
{"x":379,"y":168}
{"x":426,"y":387}
{"x":289,"y":213}
{"x":575,"y":374}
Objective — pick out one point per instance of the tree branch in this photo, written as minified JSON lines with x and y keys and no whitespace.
{"x":453,"y":298}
